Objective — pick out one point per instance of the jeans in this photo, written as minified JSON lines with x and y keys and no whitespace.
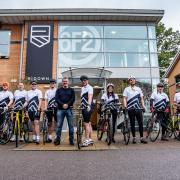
{"x":61,"y":114}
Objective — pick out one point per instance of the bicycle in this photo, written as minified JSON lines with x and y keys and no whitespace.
{"x":6,"y":128}
{"x":125,"y":127}
{"x":80,"y":128}
{"x":105,"y":123}
{"x":153,"y":127}
{"x":21,"y":128}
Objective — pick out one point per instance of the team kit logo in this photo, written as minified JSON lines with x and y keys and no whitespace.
{"x":40,"y":35}
{"x":84,"y":45}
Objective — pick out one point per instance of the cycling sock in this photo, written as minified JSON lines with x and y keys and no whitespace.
{"x":34,"y":137}
{"x":50,"y":136}
{"x":37,"y":137}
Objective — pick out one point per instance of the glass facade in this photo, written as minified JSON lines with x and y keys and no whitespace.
{"x":129,"y":49}
{"x":4,"y":43}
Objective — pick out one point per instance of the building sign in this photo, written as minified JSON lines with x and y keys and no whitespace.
{"x":39,"y":52}
{"x":79,"y":45}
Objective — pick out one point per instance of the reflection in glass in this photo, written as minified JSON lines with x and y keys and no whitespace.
{"x":153,"y":45}
{"x":5,"y":37}
{"x":117,"y":45}
{"x":4,"y":50}
{"x":80,"y":45}
{"x":125,"y":32}
{"x":81,"y":60}
{"x":152,"y":32}
{"x":81,"y":32}
{"x":154,"y":60}
{"x":126,"y":60}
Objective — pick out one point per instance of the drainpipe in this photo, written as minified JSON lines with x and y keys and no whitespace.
{"x":21,"y":53}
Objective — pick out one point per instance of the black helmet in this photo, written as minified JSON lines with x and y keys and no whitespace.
{"x":52,"y":81}
{"x":83,"y":77}
{"x":160,"y":85}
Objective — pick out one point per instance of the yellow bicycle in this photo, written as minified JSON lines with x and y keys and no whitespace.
{"x":21,"y":126}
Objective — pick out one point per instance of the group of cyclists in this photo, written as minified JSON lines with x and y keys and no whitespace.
{"x":59,"y":102}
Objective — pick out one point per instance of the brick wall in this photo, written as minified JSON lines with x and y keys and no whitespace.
{"x":171,"y":79}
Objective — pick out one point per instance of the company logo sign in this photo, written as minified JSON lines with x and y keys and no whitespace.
{"x":85,"y":43}
{"x":40,"y":35}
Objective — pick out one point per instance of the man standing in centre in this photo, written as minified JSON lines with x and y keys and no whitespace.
{"x":65,"y":97}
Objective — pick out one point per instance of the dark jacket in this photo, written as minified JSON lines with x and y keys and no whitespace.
{"x":65,"y":96}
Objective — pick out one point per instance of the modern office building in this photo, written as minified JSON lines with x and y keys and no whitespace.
{"x":108,"y":45}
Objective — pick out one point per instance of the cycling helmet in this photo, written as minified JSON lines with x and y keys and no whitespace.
{"x":110,"y":84}
{"x":131,"y":77}
{"x":160,"y":85}
{"x":83,"y":77}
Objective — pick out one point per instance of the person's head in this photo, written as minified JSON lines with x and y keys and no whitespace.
{"x":33,"y":85}
{"x":160,"y":87}
{"x":132,"y":80}
{"x":110,"y":88}
{"x":84,"y":80}
{"x":5,"y":86}
{"x":52,"y":83}
{"x":65,"y":82}
{"x":20,"y":86}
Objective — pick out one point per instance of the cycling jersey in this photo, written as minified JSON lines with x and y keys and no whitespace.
{"x":85,"y":90}
{"x":160,"y":100}
{"x":50,"y":97}
{"x":133,"y":95}
{"x":110,"y":98}
{"x":33,"y":97}
{"x":20,"y":98}
{"x":5,"y":97}
{"x":177,"y":98}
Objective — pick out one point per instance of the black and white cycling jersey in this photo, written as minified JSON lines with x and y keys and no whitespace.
{"x":133,"y":95}
{"x":50,"y":97}
{"x":5,"y":97}
{"x":20,"y":97}
{"x":85,"y":91}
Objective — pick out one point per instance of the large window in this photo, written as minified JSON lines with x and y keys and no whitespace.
{"x":107,"y":46}
{"x":4,"y":43}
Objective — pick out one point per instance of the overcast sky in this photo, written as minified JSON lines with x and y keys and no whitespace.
{"x":171,"y":7}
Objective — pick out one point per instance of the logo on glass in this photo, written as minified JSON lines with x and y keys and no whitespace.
{"x":40,"y":35}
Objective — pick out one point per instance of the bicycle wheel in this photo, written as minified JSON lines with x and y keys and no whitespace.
{"x":6,"y":132}
{"x":45,"y":130}
{"x":176,"y":129}
{"x":16,"y":133}
{"x":26,"y":130}
{"x":99,"y":130}
{"x":109,"y":130}
{"x":126,"y":132}
{"x":79,"y":134}
{"x":153,"y":129}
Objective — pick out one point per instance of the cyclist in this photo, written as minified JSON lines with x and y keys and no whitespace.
{"x":34,"y":100}
{"x":110,"y":97}
{"x":50,"y":105}
{"x":177,"y":104}
{"x":87,"y":105}
{"x":159,"y":103}
{"x":133,"y":101}
{"x":6,"y":98}
{"x":65,"y":97}
{"x":20,"y":97}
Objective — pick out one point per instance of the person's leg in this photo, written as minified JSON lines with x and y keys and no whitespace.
{"x":160,"y":117}
{"x":37,"y":127}
{"x":49,"y":115}
{"x":114,"y":118}
{"x":69,"y":116}
{"x":132,"y":122}
{"x":60,"y":120}
{"x":139,"y":118}
{"x":31,"y":117}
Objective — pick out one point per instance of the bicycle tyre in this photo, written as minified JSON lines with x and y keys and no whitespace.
{"x":100,"y":132}
{"x":16,"y":133}
{"x":126,"y":132}
{"x":79,"y":134}
{"x":110,"y":131}
{"x":45,"y":130}
{"x":153,"y":129}
{"x":6,"y":132}
{"x":26,"y":130}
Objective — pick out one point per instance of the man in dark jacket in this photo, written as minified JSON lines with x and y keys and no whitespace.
{"x":64,"y":98}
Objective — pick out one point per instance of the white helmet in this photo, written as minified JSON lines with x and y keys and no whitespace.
{"x":131,"y":77}
{"x":110,"y":84}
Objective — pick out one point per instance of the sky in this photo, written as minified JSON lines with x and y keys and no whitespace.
{"x":171,"y":7}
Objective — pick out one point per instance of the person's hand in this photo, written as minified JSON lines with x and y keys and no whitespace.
{"x":6,"y":108}
{"x":167,"y":110}
{"x":65,"y":106}
{"x":88,"y":108}
{"x":151,"y":109}
{"x":143,"y":110}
